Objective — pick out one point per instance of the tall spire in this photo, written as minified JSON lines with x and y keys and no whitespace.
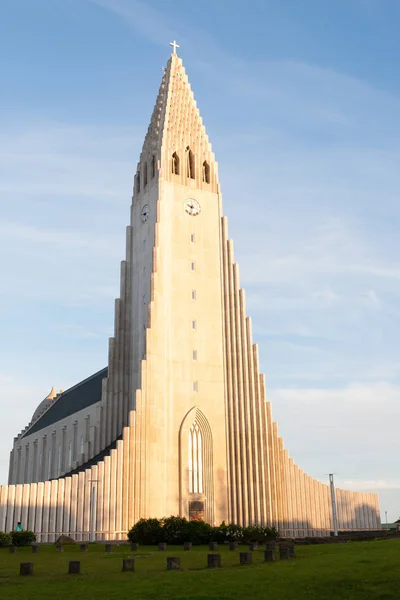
{"x":176,"y":128}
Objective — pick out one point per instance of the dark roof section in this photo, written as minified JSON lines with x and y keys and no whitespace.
{"x":81,"y":395}
{"x":93,"y":461}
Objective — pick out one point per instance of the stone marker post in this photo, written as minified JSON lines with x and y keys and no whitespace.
{"x":173,"y":563}
{"x":74,"y":567}
{"x":108,"y":548}
{"x":213,"y":560}
{"x":213,"y":546}
{"x":253,"y":546}
{"x":84,"y":547}
{"x":246,"y":558}
{"x":269,"y":555}
{"x":134,"y":546}
{"x":13,"y":549}
{"x":284,"y":552}
{"x":26,"y":568}
{"x":128,"y":564}
{"x":60,"y":548}
{"x":35,"y":548}
{"x":187,"y":545}
{"x":233,"y":545}
{"x":162,"y":546}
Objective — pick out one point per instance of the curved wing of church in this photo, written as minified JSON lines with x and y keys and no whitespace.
{"x":178,"y":423}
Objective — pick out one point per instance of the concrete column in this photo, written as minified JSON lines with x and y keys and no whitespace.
{"x":66,"y":528}
{"x":46,"y":511}
{"x":126,"y":466}
{"x":106,"y":498}
{"x":17,"y":505}
{"x":25,"y":504}
{"x":232,"y":372}
{"x":228,"y":369}
{"x":32,"y":508}
{"x":53,"y":510}
{"x":86,"y":520}
{"x":80,"y":506}
{"x":119,"y":487}
{"x":34,"y":475}
{"x":113,"y":487}
{"x":60,"y":507}
{"x":100,"y":499}
{"x":39,"y":511}
{"x":3,"y":506}
{"x":18,"y":470}
{"x":261,"y":427}
{"x":73,"y":506}
{"x":132,"y":466}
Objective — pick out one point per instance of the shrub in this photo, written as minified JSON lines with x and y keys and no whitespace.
{"x":198,"y":532}
{"x":23,"y":538}
{"x":5,"y":539}
{"x":228,"y":533}
{"x":174,"y":530}
{"x":177,"y":530}
{"x":258,"y":533}
{"x":147,"y":532}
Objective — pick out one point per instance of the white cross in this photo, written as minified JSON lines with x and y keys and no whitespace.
{"x":174,"y":45}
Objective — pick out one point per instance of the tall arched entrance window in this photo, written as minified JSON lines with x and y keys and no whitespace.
{"x":196,"y":467}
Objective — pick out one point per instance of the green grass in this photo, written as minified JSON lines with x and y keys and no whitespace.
{"x":356,"y":570}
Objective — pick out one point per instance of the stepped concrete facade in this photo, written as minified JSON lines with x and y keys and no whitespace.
{"x":178,"y":423}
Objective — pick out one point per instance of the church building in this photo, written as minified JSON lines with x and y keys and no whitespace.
{"x":178,"y":423}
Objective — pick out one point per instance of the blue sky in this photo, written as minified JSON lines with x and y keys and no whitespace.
{"x":301,"y":101}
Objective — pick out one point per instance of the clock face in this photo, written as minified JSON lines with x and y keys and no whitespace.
{"x":192,"y":207}
{"x":144,"y":215}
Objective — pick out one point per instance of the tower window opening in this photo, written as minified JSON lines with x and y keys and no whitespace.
{"x":192,"y":266}
{"x":175,"y":164}
{"x":192,"y":238}
{"x":138,"y":182}
{"x":194,"y":354}
{"x":206,"y":172}
{"x":194,"y":325}
{"x":145,"y":174}
{"x":153,"y":166}
{"x":195,"y":459}
{"x":195,"y":386}
{"x":193,"y":294}
{"x":190,"y":163}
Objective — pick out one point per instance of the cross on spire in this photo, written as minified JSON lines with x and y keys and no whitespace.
{"x":174,"y":45}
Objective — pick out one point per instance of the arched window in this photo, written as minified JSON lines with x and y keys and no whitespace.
{"x":206,"y":172}
{"x":175,"y":164}
{"x":153,"y":166}
{"x":190,"y":163}
{"x":145,"y":174}
{"x":195,"y":460}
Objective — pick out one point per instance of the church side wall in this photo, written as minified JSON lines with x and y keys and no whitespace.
{"x":56,"y":449}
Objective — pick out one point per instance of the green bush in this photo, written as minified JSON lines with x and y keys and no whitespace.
{"x":174,"y":530}
{"x":5,"y":539}
{"x":228,"y":533}
{"x":147,"y":532}
{"x":177,"y":530}
{"x":258,"y":533}
{"x":197,"y":532}
{"x":23,"y":538}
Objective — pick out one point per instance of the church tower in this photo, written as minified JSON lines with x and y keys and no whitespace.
{"x":179,"y":422}
{"x":173,"y":285}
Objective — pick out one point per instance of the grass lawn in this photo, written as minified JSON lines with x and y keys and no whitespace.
{"x":356,"y":570}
